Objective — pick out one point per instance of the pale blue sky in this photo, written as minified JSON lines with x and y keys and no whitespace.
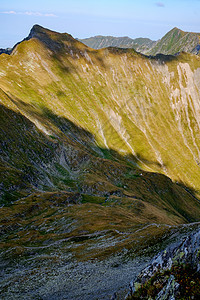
{"x":85,"y":18}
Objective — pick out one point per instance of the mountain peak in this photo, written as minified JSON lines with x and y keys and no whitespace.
{"x":37,"y":27}
{"x":53,"y":40}
{"x":175,"y":28}
{"x":39,"y":31}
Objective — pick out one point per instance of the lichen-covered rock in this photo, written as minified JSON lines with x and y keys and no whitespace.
{"x":168,"y":267}
{"x":169,"y":290}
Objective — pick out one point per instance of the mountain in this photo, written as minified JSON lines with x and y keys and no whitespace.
{"x":173,"y":42}
{"x":176,"y":41}
{"x":99,"y":161}
{"x":98,"y":42}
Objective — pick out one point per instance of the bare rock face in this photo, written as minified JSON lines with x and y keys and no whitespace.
{"x":170,"y":290}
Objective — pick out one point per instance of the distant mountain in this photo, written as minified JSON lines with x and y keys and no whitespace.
{"x":176,"y":41}
{"x":99,"y":41}
{"x":173,"y":42}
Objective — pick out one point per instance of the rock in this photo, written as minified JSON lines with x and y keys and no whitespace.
{"x":169,"y":291}
{"x":185,"y":252}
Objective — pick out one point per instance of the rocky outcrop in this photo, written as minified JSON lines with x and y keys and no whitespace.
{"x":166,"y":268}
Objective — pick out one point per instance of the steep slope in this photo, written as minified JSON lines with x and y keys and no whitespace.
{"x":57,"y":155}
{"x":145,"y":109}
{"x":79,"y":107}
{"x":80,"y":131}
{"x":176,"y":41}
{"x":98,"y":42}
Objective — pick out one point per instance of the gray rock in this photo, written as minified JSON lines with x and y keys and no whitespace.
{"x":185,"y":251}
{"x":169,"y":291}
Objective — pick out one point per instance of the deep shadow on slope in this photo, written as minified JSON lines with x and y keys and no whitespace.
{"x":79,"y":134}
{"x":163,"y":58}
{"x":69,"y":160}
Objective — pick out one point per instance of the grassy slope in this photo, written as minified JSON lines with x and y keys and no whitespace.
{"x":101,"y":198}
{"x":65,"y":109}
{"x":144,"y":109}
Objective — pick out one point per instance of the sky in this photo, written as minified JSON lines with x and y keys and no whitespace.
{"x":85,"y":18}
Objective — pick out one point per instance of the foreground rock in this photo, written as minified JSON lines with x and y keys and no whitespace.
{"x":173,"y":274}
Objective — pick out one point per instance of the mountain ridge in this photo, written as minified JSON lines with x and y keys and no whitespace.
{"x":183,"y":41}
{"x":98,"y":42}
